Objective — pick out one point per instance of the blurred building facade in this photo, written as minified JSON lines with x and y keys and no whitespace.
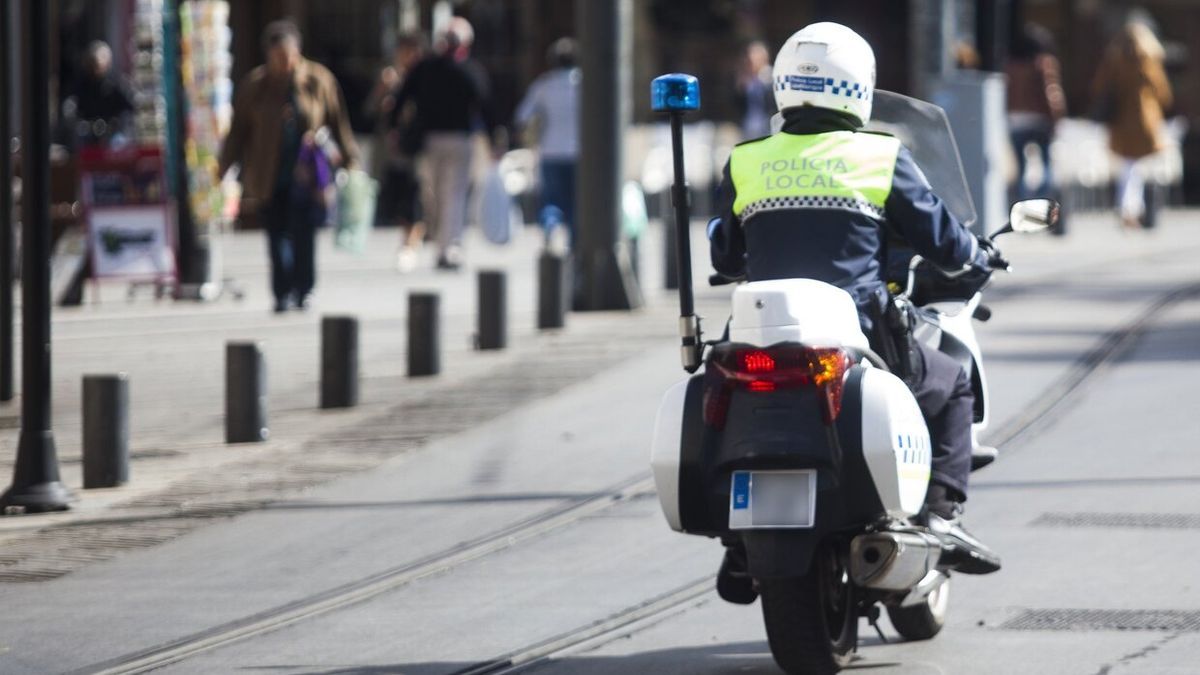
{"x":703,"y":37}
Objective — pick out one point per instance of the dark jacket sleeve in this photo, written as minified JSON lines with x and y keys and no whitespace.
{"x":727,"y":242}
{"x":919,"y":217}
{"x":406,"y":93}
{"x":339,"y":123}
{"x":481,"y":82}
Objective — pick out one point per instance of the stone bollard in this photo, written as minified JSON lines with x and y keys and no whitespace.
{"x":424,"y":351}
{"x":245,"y":393}
{"x":339,"y":362}
{"x":493,"y":310}
{"x":105,"y":430}
{"x":554,"y":290}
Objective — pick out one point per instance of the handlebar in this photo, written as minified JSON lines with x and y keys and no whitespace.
{"x":995,"y":262}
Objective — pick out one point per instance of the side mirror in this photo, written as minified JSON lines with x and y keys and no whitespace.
{"x":1032,"y":215}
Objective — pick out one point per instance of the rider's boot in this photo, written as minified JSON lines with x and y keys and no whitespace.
{"x":961,"y":551}
{"x":733,"y":582}
{"x":982,"y":455}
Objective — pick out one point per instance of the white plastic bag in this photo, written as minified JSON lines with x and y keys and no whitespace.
{"x":356,"y":195}
{"x":498,"y":213}
{"x":633,"y":210}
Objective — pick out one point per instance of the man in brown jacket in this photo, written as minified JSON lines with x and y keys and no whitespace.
{"x":1035,"y":104}
{"x":287,"y":117}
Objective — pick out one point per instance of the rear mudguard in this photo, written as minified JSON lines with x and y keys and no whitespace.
{"x":784,"y":430}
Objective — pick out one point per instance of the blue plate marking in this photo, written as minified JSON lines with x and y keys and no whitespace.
{"x":741,"y":490}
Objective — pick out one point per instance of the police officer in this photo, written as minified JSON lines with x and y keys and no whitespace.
{"x":820,"y":200}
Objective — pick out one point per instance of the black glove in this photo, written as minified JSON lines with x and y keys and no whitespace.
{"x":979,"y":270}
{"x":988,"y":256}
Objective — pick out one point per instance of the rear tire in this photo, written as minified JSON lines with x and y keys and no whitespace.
{"x":812,"y":621}
{"x":923,"y":621}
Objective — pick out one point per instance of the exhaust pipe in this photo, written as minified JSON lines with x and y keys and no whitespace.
{"x":924,"y":588}
{"x":892,"y":561}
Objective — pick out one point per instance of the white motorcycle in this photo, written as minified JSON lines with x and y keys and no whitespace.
{"x":804,"y":454}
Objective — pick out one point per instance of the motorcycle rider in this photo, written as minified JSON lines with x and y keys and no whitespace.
{"x":821,"y":200}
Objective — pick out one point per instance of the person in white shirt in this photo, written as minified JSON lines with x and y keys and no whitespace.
{"x":553,"y":101}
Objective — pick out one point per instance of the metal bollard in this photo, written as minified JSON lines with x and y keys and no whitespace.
{"x":493,"y":310}
{"x":424,"y":352}
{"x":245,"y":393}
{"x":1153,"y":197}
{"x":554,"y":290}
{"x":339,"y":362}
{"x":105,"y":430}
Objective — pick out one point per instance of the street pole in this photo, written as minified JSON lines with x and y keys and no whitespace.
{"x":994,"y":22}
{"x":931,"y":37}
{"x":606,"y":273}
{"x":6,"y":204}
{"x":36,"y":486}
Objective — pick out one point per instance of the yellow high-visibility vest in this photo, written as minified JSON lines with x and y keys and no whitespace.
{"x":837,"y":170}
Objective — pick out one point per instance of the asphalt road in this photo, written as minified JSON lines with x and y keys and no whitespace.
{"x":536,"y":537}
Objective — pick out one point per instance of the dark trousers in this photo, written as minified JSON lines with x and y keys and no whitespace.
{"x":558,"y":192}
{"x":1039,"y":137}
{"x":399,"y":200}
{"x":291,"y":228}
{"x":943,"y":392}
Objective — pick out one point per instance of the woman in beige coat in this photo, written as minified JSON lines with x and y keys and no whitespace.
{"x":1132,"y":88}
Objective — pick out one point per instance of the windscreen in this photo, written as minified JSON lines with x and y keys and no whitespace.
{"x":924,"y":129}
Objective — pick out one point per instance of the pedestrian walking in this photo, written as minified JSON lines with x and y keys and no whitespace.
{"x":400,"y":197}
{"x":448,"y":106}
{"x":755,"y":94}
{"x":1131,"y":92}
{"x":1035,"y":104}
{"x":552,"y":105}
{"x":289,"y":131}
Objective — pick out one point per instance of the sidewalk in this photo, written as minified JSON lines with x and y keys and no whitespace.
{"x":183,"y":475}
{"x":182,"y":472}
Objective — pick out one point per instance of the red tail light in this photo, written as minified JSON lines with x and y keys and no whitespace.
{"x":757,"y":361}
{"x":782,"y":366}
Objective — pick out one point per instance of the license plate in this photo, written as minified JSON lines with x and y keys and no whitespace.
{"x":775,"y":499}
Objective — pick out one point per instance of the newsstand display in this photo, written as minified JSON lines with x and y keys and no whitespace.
{"x":205,"y":61}
{"x":152,"y":202}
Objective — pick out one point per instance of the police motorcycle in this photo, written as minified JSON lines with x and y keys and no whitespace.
{"x":795,"y":443}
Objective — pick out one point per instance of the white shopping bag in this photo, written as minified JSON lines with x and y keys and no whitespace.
{"x":356,"y":195}
{"x":498,"y":213}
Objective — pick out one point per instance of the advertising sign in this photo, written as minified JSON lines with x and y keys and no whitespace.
{"x":130,"y":242}
{"x":128,"y":215}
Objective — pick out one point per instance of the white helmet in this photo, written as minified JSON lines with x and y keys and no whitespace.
{"x":826,"y":65}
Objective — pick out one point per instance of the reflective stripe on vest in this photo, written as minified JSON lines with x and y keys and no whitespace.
{"x":835,"y":170}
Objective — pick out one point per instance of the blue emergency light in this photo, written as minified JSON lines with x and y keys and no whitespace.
{"x":676,"y":92}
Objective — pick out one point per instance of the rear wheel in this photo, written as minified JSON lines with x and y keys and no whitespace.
{"x":812,"y":621}
{"x":923,"y":621}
